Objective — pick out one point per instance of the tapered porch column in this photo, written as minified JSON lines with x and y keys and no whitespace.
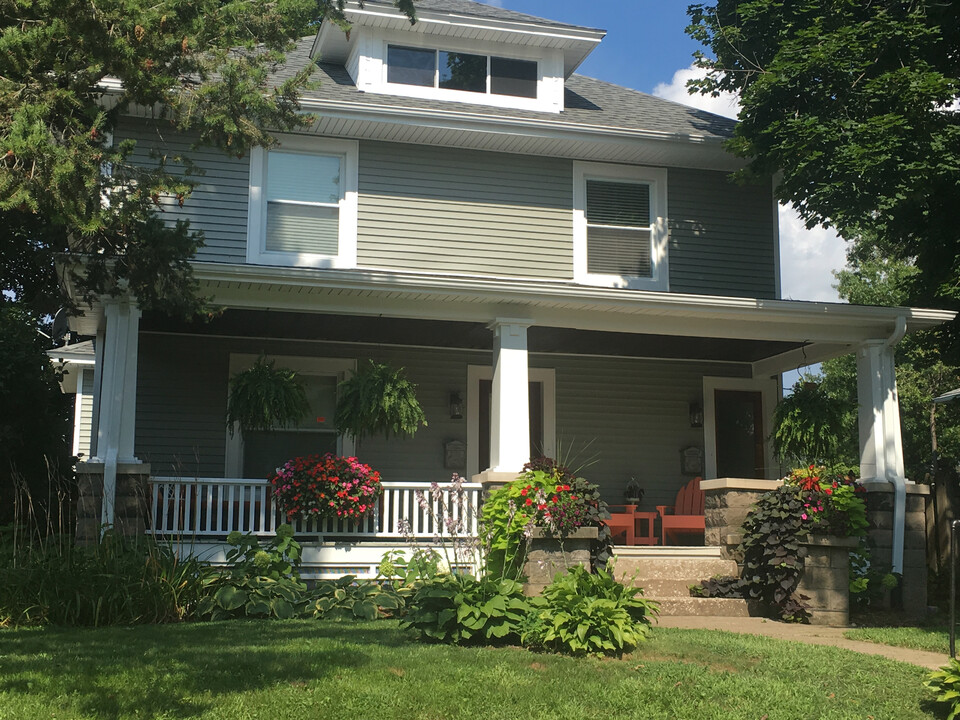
{"x":881,"y":444}
{"x":510,"y":404}
{"x":116,"y":404}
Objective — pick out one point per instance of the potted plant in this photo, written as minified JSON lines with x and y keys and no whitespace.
{"x":378,"y":399}
{"x":265,"y":397}
{"x":633,"y":493}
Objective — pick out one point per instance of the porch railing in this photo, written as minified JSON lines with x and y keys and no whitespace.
{"x":214,"y":507}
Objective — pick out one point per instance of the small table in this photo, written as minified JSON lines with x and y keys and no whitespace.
{"x":647,"y":538}
{"x":626,"y":522}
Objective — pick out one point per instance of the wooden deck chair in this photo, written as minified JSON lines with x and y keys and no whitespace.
{"x":686,"y":515}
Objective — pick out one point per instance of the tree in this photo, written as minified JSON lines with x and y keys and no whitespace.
{"x":851,"y":102}
{"x":69,"y":69}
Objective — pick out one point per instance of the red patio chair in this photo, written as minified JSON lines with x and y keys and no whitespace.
{"x":685,"y":516}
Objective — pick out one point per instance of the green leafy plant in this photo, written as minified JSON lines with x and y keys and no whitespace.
{"x":945,"y":686}
{"x":462,"y":610}
{"x":350,"y":599}
{"x":262,"y":581}
{"x":807,"y":425}
{"x":265,"y":397}
{"x":378,"y":399}
{"x":588,"y":614}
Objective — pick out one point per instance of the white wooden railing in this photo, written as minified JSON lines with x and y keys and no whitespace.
{"x":214,"y":507}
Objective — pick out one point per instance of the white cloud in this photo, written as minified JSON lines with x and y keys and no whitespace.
{"x":807,"y":257}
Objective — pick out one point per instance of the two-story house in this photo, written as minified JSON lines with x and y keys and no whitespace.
{"x":561,"y":265}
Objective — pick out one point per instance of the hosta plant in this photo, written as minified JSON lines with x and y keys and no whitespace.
{"x":461,"y":609}
{"x":350,"y":599}
{"x":945,"y":686}
{"x":588,"y":614}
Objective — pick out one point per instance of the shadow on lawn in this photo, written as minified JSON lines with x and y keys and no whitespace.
{"x":180,"y":670}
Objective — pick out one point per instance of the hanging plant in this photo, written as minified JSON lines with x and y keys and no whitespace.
{"x":807,"y":425}
{"x":378,"y":399}
{"x":265,"y":397}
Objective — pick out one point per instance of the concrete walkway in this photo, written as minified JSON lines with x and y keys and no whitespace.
{"x":811,"y":634}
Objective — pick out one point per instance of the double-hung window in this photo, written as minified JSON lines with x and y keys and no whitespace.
{"x":303,"y":204}
{"x":620,"y":226}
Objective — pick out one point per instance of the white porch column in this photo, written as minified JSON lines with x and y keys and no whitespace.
{"x":117,"y":401}
{"x":510,"y":404}
{"x":881,"y":444}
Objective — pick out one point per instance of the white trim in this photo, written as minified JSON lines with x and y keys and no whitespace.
{"x":346,"y":257}
{"x":475,"y":373}
{"x":338,"y":367}
{"x":766,"y":386}
{"x":656,"y":178}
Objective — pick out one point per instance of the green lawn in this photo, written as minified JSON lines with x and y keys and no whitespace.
{"x":934,"y":639}
{"x":308,"y":669}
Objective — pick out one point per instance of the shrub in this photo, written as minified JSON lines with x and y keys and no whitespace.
{"x":350,"y":599}
{"x":262,"y":581}
{"x":461,"y":609}
{"x":588,"y":614}
{"x":945,"y":686}
{"x":326,"y":487}
{"x":117,"y":581}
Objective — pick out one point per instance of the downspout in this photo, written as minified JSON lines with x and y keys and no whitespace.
{"x":893,"y":473}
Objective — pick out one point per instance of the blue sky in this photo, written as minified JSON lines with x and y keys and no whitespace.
{"x":646,"y":49}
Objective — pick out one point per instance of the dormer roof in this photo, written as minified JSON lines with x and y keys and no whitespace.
{"x":461,"y":20}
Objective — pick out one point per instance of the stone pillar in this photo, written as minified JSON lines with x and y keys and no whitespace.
{"x":880,"y":517}
{"x":726,"y":504}
{"x":548,"y":555}
{"x":131,"y":502}
{"x":825,"y":579}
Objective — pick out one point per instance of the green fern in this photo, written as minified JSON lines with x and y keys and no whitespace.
{"x":808,"y":425}
{"x":378,"y":399}
{"x":265,"y":397}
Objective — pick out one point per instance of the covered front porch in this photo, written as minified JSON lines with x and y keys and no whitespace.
{"x":659,"y":387}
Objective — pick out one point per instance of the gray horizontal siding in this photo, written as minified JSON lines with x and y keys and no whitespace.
{"x":463,"y":211}
{"x":620,"y":417}
{"x":721,"y":235}
{"x":218,"y":204}
{"x":85,"y":408}
{"x":624,"y":418}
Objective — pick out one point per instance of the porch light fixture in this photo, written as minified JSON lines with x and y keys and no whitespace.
{"x":696,"y":415}
{"x":456,"y":406}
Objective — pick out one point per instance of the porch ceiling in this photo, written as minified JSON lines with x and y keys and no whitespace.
{"x":466,"y":335}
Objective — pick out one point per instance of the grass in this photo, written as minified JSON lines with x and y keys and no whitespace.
{"x":308,"y":669}
{"x":933,"y":638}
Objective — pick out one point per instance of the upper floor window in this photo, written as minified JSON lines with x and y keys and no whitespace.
{"x":466,"y":72}
{"x":620,"y":226}
{"x":303,"y":204}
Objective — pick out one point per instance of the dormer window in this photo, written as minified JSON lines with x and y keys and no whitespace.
{"x":460,"y":71}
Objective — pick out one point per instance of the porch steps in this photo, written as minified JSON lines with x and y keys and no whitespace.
{"x":666,"y":574}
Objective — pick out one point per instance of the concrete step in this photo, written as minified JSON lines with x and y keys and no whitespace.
{"x":666,"y":587}
{"x":703,"y":607}
{"x":647,"y":570}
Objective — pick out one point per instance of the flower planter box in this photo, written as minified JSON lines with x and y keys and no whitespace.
{"x":825,"y":579}
{"x":548,"y":556}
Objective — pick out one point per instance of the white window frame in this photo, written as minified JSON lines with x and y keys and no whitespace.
{"x":346,"y":257}
{"x":769,"y":389}
{"x":475,"y":373}
{"x":336,"y":367}
{"x":656,"y":178}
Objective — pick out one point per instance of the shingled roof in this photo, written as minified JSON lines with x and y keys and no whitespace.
{"x":480,"y":10}
{"x":588,"y":102}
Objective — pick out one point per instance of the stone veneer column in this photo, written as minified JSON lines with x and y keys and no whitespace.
{"x":879,"y":498}
{"x":130,"y":505}
{"x":726,"y":504}
{"x":825,"y":579}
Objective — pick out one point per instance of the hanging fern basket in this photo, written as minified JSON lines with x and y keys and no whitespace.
{"x":378,"y":399}
{"x":265,"y":397}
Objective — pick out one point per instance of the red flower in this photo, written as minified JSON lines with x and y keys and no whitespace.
{"x":529,"y":501}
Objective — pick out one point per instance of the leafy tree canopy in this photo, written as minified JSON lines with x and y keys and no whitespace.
{"x":70,"y":68}
{"x":855,"y":104}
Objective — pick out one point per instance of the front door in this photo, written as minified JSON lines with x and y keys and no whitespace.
{"x":740,"y":434}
